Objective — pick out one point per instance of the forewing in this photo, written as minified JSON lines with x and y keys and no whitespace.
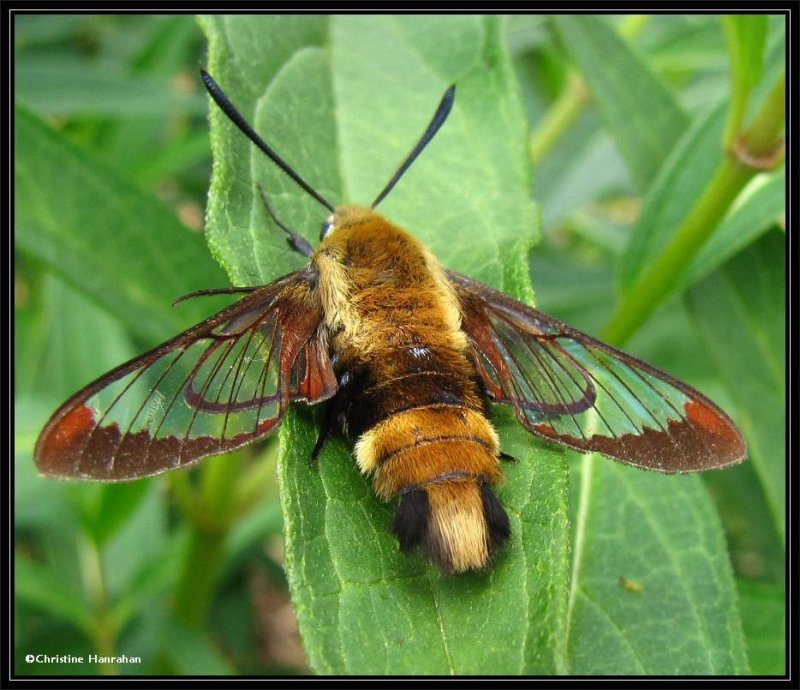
{"x":572,"y":389}
{"x":218,"y":386}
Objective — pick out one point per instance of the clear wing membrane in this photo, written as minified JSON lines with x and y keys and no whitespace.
{"x":218,"y":386}
{"x":582,"y":393}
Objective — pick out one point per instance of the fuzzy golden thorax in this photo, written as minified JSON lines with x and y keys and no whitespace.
{"x":379,"y":285}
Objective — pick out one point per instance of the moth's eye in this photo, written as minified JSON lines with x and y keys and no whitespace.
{"x":326,"y":228}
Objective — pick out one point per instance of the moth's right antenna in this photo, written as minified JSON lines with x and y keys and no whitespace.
{"x":438,"y":120}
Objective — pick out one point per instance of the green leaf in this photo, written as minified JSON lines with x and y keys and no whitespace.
{"x":181,"y":155}
{"x":583,"y":167}
{"x":362,"y":606}
{"x":43,"y":586}
{"x":97,"y":230}
{"x":56,"y":356}
{"x":764,"y":612}
{"x":691,"y":45}
{"x":236,"y":229}
{"x":763,"y":205}
{"x":33,"y":29}
{"x":75,"y":87}
{"x":154,"y":143}
{"x":152,"y":580}
{"x":662,"y":534}
{"x":106,"y":507}
{"x":756,"y":548}
{"x":643,"y":117}
{"x":192,"y":652}
{"x":739,"y":311}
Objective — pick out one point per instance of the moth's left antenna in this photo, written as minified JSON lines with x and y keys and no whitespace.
{"x":236,"y":117}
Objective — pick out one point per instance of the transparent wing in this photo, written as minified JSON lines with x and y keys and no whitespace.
{"x":572,"y":389}
{"x":218,"y":386}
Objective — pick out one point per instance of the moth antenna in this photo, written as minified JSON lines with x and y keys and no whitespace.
{"x":439,"y":117}
{"x":236,"y":117}
{"x":295,"y":240}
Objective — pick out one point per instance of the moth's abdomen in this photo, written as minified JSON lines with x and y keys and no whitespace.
{"x":423,"y":439}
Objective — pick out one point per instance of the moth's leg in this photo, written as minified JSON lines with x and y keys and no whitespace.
{"x":335,"y":410}
{"x":325,"y":429}
{"x":215,"y":291}
{"x":481,"y":384}
{"x":296,"y":240}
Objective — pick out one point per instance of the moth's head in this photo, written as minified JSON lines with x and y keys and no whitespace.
{"x":340,"y":224}
{"x":353,"y":235}
{"x":350,"y":247}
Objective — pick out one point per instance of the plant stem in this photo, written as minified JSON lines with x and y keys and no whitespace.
{"x":733,"y":173}
{"x":559,"y":117}
{"x":766,"y":131}
{"x":199,"y":576}
{"x":663,"y":276}
{"x":746,"y":39}
{"x":104,"y":631}
{"x":209,"y":516}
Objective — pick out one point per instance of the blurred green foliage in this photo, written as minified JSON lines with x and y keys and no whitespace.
{"x":113,"y":165}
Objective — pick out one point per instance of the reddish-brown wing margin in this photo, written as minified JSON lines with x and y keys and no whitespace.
{"x":220,"y":385}
{"x":577,"y":391}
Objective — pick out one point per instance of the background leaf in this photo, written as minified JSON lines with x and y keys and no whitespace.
{"x":738,"y":311}
{"x":642,"y":116}
{"x":763,"y":205}
{"x":764,"y":614}
{"x":85,"y":220}
{"x":63,"y":91}
{"x":680,"y":180}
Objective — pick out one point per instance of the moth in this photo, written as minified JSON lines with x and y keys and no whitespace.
{"x":407,"y":356}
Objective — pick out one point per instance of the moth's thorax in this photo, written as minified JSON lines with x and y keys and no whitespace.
{"x":376,"y":281}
